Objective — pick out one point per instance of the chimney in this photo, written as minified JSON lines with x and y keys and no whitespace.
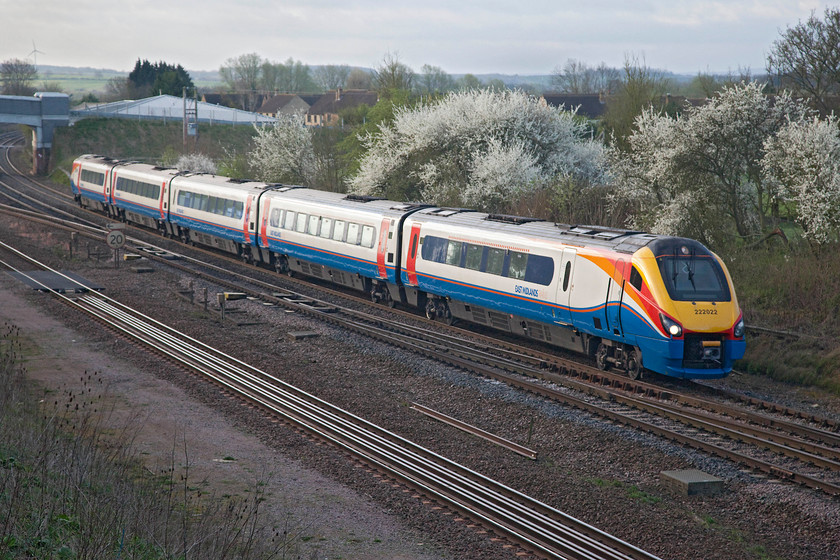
{"x":338,"y":94}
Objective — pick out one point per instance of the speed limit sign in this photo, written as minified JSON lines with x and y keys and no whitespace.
{"x":115,"y":239}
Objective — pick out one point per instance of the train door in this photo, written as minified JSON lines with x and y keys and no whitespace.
{"x":565,"y":285}
{"x":411,"y":260}
{"x":249,"y":226}
{"x":383,"y":248}
{"x":615,"y":298}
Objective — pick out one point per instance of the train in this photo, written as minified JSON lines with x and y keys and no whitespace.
{"x":630,"y":300}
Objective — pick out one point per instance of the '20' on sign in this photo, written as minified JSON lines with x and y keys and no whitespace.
{"x":115,"y":239}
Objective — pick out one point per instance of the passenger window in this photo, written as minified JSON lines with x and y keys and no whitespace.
{"x":495,"y":261}
{"x":338,"y":230}
{"x":636,"y":279}
{"x":314,"y":222}
{"x":300,"y":225}
{"x":275,"y":217}
{"x":453,"y":253}
{"x":473,"y":260}
{"x":433,"y":249}
{"x":289,"y":223}
{"x":540,"y":270}
{"x":352,"y":233}
{"x":238,"y":209}
{"x":368,"y":234}
{"x":518,"y":263}
{"x":202,"y":202}
{"x":326,"y":225}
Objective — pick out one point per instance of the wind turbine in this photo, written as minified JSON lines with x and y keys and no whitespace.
{"x":34,"y":54}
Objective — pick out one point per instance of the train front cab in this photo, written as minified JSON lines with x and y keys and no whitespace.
{"x":687,"y":292}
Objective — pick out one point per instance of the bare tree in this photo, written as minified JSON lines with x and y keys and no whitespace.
{"x":434,"y":80}
{"x":577,"y":77}
{"x":358,"y":79}
{"x":17,"y":76}
{"x":806,"y":58}
{"x":242,"y":75}
{"x":331,"y":76}
{"x":392,"y":74}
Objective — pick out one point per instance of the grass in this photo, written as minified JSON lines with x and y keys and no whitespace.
{"x":791,"y":289}
{"x":70,"y":488}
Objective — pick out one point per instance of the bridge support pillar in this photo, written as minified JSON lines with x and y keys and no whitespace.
{"x":40,"y":161}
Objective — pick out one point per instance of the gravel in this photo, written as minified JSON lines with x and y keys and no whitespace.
{"x":601,"y":473}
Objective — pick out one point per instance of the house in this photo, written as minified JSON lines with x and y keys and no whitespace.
{"x":284,"y":104}
{"x":324,"y":112}
{"x":589,"y":105}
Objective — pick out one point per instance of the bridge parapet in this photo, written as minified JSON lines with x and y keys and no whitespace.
{"x":43,"y":112}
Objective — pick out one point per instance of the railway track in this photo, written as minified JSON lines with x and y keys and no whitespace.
{"x":779,"y":441}
{"x":519,"y":518}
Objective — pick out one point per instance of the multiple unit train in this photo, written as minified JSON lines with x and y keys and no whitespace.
{"x":631,"y":300}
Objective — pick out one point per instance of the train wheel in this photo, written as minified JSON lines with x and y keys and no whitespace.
{"x":431,"y":310}
{"x":601,"y":356}
{"x":634,"y":365}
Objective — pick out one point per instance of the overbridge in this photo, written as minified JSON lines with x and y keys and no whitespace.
{"x":44,"y":111}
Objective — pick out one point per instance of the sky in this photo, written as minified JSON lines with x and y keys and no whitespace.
{"x":524,"y":37}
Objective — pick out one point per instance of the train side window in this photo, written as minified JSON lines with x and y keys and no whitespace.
{"x":314,"y":222}
{"x":352,"y":233}
{"x":300,"y":225}
{"x":495,"y":261}
{"x":202,"y":202}
{"x":338,"y":230}
{"x":473,"y":259}
{"x":275,"y":218}
{"x":453,"y":253}
{"x":636,"y":279}
{"x":368,"y":235}
{"x":540,"y":270}
{"x":326,"y":227}
{"x":433,"y":249}
{"x":239,"y":208}
{"x":289,"y":222}
{"x":230,"y":208}
{"x":567,"y":275}
{"x":518,"y":264}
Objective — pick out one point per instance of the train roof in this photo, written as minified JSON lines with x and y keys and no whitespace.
{"x":619,"y":240}
{"x":357,"y":202}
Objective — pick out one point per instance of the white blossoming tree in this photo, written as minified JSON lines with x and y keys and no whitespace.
{"x":700,"y":174}
{"x":196,"y":163}
{"x":283,"y":153}
{"x":804,"y":160}
{"x":476,"y":148}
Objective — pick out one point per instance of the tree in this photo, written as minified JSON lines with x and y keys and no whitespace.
{"x":242,"y":75}
{"x":434,"y":80}
{"x":700,"y":175}
{"x":17,"y":76}
{"x":358,"y":79}
{"x":331,"y":76}
{"x":392,"y":75}
{"x":806,"y":58}
{"x":641,"y":87}
{"x":577,"y":77}
{"x":477,"y":148}
{"x":283,"y":153}
{"x":196,"y":163}
{"x":804,"y":160}
{"x":468,"y":82}
{"x":148,"y":79}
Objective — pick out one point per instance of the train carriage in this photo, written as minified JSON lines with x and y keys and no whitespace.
{"x":595,"y":290}
{"x":215,"y":211}
{"x":140,"y":194}
{"x":351,"y":240}
{"x":90,"y":181}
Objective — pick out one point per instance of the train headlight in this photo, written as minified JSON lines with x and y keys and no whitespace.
{"x":671,"y":327}
{"x":738,"y":331}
